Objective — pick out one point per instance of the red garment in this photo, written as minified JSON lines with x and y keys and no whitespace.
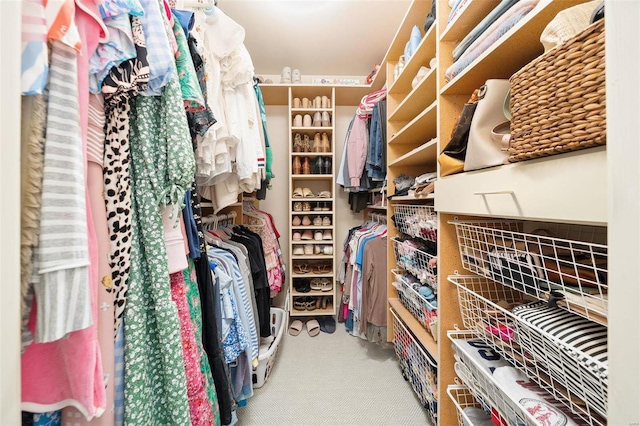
{"x":199,"y":404}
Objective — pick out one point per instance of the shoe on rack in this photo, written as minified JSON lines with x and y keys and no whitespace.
{"x":327,"y":235}
{"x":306,"y":166}
{"x":327,"y":250}
{"x":297,"y":120}
{"x":326,"y":145}
{"x":326,"y":221}
{"x":317,"y":102}
{"x":296,"y":167}
{"x":308,"y":249}
{"x":317,"y":221}
{"x":326,"y":119}
{"x":306,"y":144}
{"x":325,"y":102}
{"x":317,"y":249}
{"x":306,"y":120}
{"x":327,"y":166}
{"x":317,"y":143}
{"x":318,"y":166}
{"x":306,"y":206}
{"x":297,"y":143}
{"x":306,"y":103}
{"x":307,"y":235}
{"x":306,"y":221}
{"x":296,"y":221}
{"x":296,"y":236}
{"x":317,"y":119}
{"x":296,"y":102}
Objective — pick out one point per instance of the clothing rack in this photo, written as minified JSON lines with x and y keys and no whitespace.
{"x":247,"y":207}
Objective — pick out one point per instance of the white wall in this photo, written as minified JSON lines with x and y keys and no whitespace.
{"x":10,"y":213}
{"x":278,"y":197}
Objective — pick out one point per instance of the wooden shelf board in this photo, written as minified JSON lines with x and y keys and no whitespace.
{"x":296,"y":313}
{"x":311,"y":256}
{"x":312,"y":275}
{"x":314,"y":242}
{"x":425,"y":52}
{"x":417,"y":100}
{"x":311,"y":109}
{"x":345,"y":95}
{"x":312,"y":227}
{"x":312,"y":128}
{"x":466,"y":20}
{"x":312,"y":154}
{"x":424,"y":155}
{"x":419,"y":130}
{"x":423,"y":336}
{"x":294,"y":199}
{"x":312,"y":293}
{"x":510,"y":53}
{"x":312,"y":177}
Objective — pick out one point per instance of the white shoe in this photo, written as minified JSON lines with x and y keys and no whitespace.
{"x":325,"y":102}
{"x":317,"y":119}
{"x":326,"y":119}
{"x":306,"y":121}
{"x":318,"y":236}
{"x":327,"y":250}
{"x":296,"y":77}
{"x":296,"y":102}
{"x":297,"y":121}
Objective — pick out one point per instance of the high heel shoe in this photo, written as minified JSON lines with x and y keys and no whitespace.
{"x":326,"y":119}
{"x":306,"y":144}
{"x":297,"y":143}
{"x":296,"y":167}
{"x":317,"y":143}
{"x":306,"y":166}
{"x":327,"y":166}
{"x":317,"y":119}
{"x":326,"y":145}
{"x":318,"y":166}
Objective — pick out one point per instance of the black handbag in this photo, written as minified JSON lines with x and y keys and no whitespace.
{"x":452,"y":158}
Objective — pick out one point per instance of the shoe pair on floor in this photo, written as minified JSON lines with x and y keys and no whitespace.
{"x":326,"y":324}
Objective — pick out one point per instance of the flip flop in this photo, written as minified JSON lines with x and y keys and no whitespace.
{"x":327,"y":324}
{"x":313,"y":328}
{"x":295,"y":328}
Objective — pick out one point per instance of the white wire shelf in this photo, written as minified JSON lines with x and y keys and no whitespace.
{"x":464,"y":400}
{"x":425,"y":312}
{"x":418,"y":221}
{"x":417,"y":367}
{"x":563,"y":353}
{"x":414,"y":259}
{"x":559,"y":260}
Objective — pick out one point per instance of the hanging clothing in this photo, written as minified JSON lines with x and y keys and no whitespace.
{"x":155,"y":387}
{"x":162,"y":66}
{"x":122,"y":84}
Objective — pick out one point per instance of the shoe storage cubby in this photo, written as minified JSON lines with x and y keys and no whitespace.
{"x":312,"y":201}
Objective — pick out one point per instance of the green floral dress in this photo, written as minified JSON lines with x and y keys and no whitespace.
{"x":162,"y":168}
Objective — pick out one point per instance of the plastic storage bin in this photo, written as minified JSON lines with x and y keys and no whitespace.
{"x":267,"y":355}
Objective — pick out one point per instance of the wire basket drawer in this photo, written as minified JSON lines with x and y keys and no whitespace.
{"x":425,"y":311}
{"x":417,"y":367}
{"x":567,"y":265}
{"x":463,"y":399}
{"x":573,"y":369}
{"x":418,"y":221}
{"x":414,"y":258}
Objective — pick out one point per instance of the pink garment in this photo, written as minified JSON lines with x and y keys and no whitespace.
{"x":357,"y":150}
{"x":199,"y":404}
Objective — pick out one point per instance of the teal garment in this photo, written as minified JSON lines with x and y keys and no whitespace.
{"x":195,"y":311}
{"x":162,"y":168}
{"x":268,"y":152}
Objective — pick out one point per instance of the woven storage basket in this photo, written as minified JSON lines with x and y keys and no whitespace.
{"x":558,"y":100}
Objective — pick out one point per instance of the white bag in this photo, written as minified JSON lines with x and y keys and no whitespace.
{"x":484,"y":149}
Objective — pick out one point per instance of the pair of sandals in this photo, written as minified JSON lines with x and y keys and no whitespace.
{"x":317,"y":268}
{"x":302,"y":207}
{"x":307,"y":193}
{"x":321,"y":284}
{"x":313,"y":327}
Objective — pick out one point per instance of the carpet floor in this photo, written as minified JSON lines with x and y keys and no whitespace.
{"x":333,"y":379}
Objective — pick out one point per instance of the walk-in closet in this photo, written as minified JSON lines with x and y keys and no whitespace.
{"x":255,"y":213}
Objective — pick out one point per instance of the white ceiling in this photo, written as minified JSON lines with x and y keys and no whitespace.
{"x":319,"y":37}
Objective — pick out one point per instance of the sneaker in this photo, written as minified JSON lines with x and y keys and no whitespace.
{"x":326,"y":221}
{"x":318,"y":236}
{"x":317,"y":221}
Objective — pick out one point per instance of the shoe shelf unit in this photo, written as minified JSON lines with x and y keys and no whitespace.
{"x":412,"y":127}
{"x":312,"y":289}
{"x":525,"y":232}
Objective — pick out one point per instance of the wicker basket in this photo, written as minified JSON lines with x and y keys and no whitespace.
{"x":558,"y":100}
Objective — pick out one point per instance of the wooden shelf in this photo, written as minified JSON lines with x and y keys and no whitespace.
{"x":346,"y":95}
{"x":312,"y":154}
{"x":312,"y":227}
{"x":312,"y":293}
{"x":417,"y":100}
{"x":311,"y":176}
{"x":423,"y":336}
{"x":424,"y":155}
{"x":312,"y":129}
{"x":420,"y":129}
{"x":301,"y":110}
{"x":312,"y":275}
{"x":421,"y":57}
{"x":519,"y":46}
{"x":296,"y":313}
{"x":415,"y":16}
{"x":471,"y":14}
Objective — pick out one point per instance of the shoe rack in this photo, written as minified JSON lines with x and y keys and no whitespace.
{"x":312,"y":289}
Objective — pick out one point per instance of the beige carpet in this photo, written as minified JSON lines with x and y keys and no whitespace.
{"x":333,"y":379}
